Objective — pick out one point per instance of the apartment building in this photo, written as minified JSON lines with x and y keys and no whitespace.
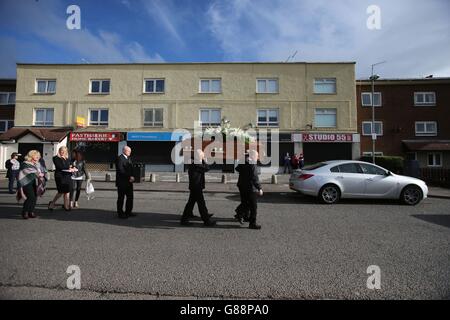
{"x":7,"y":106}
{"x":411,"y":119}
{"x":105,"y":106}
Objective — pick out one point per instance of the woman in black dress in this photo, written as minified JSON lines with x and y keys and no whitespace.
{"x":63,"y":174}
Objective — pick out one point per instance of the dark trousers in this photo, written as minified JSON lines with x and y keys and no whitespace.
{"x":30,"y":203}
{"x":76,"y":189}
{"x":122,"y":192}
{"x":14,"y":176}
{"x":248,"y":203}
{"x":196,"y":196}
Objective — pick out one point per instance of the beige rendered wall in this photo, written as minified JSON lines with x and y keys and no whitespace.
{"x":182,"y":101}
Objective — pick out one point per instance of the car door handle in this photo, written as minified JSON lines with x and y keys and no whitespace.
{"x":369,"y":179}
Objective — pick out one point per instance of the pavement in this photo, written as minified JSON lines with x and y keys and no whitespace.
{"x":305,"y":250}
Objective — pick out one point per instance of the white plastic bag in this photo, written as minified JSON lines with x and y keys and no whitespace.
{"x":90,"y":190}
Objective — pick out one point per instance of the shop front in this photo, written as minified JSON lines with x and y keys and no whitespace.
{"x":154,"y":149}
{"x":100,"y":149}
{"x":318,"y":147}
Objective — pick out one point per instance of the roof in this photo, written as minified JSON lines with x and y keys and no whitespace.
{"x":394,"y":81}
{"x":44,"y":134}
{"x":427,"y":145}
{"x":180,"y":63}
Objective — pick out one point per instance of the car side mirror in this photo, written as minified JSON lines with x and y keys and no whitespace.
{"x":388,"y":173}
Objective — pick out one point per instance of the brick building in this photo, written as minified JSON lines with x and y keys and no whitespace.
{"x":411,"y":119}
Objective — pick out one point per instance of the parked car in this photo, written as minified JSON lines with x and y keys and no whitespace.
{"x":333,"y":180}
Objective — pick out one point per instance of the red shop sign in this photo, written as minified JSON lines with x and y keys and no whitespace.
{"x":327,"y":137}
{"x":95,"y":136}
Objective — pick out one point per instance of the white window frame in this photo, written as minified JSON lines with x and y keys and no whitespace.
{"x":154,"y":86}
{"x":325,"y":79}
{"x":425,"y":133}
{"x":6,"y":121}
{"x":99,"y":122}
{"x":44,"y":123}
{"x":46,"y":86}
{"x":8,"y":95}
{"x":370,"y":95}
{"x":100,"y":87}
{"x":209,"y":123}
{"x":424,"y":93}
{"x":434,"y":159}
{"x":153,"y":123}
{"x":315,"y":118}
{"x":369,"y":154}
{"x":267,"y":80}
{"x":210,"y":80}
{"x":370,"y":134}
{"x":268,"y":124}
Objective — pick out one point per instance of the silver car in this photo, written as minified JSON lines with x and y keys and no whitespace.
{"x":332,"y":180}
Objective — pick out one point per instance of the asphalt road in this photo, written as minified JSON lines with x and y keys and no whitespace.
{"x":304,"y":250}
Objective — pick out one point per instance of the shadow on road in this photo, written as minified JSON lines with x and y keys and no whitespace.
{"x":440,"y":219}
{"x":143,"y":220}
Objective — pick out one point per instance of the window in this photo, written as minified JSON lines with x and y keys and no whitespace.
{"x":267,"y":86}
{"x":43,"y":117}
{"x":315,"y":166}
{"x":7,"y":98}
{"x":325,"y":85}
{"x":5,"y":125}
{"x":98,"y":117}
{"x":435,"y":159}
{"x":350,"y":168}
{"x":366,"y":99}
{"x":268,"y":118}
{"x":210,"y":86}
{"x":370,"y":169}
{"x":153,"y":117}
{"x":367,"y":128}
{"x":100,"y":86}
{"x":424,"y":98}
{"x":325,"y":118}
{"x":426,"y":128}
{"x":154,"y":85}
{"x":210,"y":117}
{"x":335,"y":169}
{"x":45,"y":86}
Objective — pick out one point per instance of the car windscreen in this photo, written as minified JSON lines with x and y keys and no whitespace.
{"x":314,"y":166}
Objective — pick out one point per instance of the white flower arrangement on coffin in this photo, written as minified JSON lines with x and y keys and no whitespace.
{"x":228,"y":133}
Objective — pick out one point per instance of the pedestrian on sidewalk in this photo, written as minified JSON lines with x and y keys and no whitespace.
{"x":301,"y":161}
{"x":249,"y":189}
{"x":295,"y":161}
{"x":287,"y":163}
{"x":196,"y":172}
{"x":63,"y":173}
{"x":13,"y":167}
{"x":31,"y":183}
{"x":124,"y":183}
{"x":78,"y":177}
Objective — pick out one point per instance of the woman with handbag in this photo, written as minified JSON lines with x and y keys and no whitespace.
{"x":78,"y":177}
{"x":63,"y":174}
{"x":31,"y":183}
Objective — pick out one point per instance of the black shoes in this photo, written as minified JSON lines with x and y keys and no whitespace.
{"x":131,"y":214}
{"x":123,"y":216}
{"x":210,"y":223}
{"x":254,"y":226}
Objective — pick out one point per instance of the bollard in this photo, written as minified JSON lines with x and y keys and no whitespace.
{"x":153,"y":178}
{"x":274,"y":179}
{"x":177,"y":177}
{"x":224,"y":178}
{"x":108,"y":177}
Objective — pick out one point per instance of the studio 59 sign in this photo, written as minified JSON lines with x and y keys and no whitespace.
{"x":322,"y":137}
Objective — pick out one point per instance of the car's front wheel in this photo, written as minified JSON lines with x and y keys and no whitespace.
{"x":329,"y":194}
{"x":411,"y":195}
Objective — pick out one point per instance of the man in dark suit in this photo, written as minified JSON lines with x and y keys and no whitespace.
{"x":249,"y":188}
{"x":124,"y":183}
{"x":196,"y":185}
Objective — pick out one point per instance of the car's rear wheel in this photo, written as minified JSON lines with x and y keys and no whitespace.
{"x":411,"y":195}
{"x":329,"y":194}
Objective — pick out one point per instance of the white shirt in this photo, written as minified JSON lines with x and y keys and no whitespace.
{"x":15,"y":165}
{"x":125,"y":156}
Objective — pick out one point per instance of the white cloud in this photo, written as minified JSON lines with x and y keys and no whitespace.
{"x":46,"y":20}
{"x":413,"y":39}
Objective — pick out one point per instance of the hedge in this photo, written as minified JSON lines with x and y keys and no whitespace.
{"x":394,"y":164}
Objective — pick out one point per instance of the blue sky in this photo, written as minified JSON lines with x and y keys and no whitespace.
{"x":413,"y":39}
